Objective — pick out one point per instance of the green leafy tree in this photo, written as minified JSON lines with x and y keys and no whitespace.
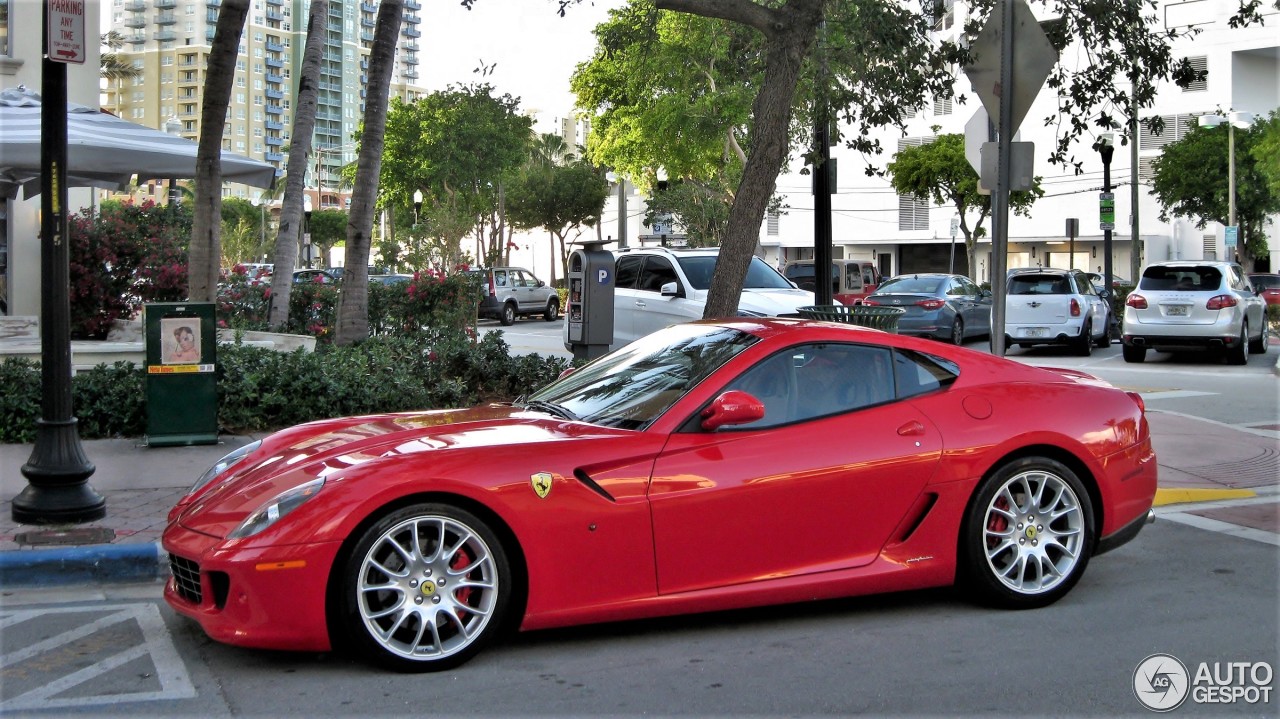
{"x":939,"y":171}
{"x":1191,"y":180}
{"x":456,"y":146}
{"x":327,"y":228}
{"x":111,"y":66}
{"x":241,"y":242}
{"x":1266,"y":150}
{"x":557,"y":198}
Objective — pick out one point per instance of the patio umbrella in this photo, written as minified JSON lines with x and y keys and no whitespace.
{"x":102,"y":150}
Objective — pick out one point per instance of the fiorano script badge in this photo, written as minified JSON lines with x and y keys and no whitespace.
{"x":541,"y":484}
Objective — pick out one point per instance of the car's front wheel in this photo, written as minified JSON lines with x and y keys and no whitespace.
{"x":553,"y":310}
{"x":1027,"y":534}
{"x":424,"y":589}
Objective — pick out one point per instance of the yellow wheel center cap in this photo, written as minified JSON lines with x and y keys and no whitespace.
{"x":1031,"y":531}
{"x":428,"y":588}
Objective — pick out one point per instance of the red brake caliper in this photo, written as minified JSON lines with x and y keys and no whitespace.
{"x":997,"y":522}
{"x":460,"y":560}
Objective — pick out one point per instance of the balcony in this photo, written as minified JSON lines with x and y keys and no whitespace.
{"x":166,"y":4}
{"x":364,"y":63}
{"x":411,"y":31}
{"x":275,"y":109}
{"x":364,"y":79}
{"x":274,"y":157}
{"x":211,"y":17}
{"x":274,"y":79}
{"x":273,"y":14}
{"x":274,"y":47}
{"x":275,"y":94}
{"x":275,"y":2}
{"x":411,"y":74}
{"x":214,"y":4}
{"x":410,"y":59}
{"x":412,"y":19}
{"x":137,"y":38}
{"x":272,"y":62}
{"x":273,"y":125}
{"x":166,"y":35}
{"x":209,"y":33}
{"x":368,"y":7}
{"x":409,"y":46}
{"x":167,"y":18}
{"x":136,"y":5}
{"x":413,"y":5}
{"x":192,"y":78}
{"x":275,"y":141}
{"x":366,"y":36}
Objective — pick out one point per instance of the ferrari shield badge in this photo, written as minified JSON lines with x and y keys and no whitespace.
{"x":541,"y":484}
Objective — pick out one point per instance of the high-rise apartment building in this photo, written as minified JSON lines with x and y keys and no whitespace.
{"x":169,"y":40}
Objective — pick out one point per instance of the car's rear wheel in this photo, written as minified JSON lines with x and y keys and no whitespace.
{"x":508,"y":317}
{"x":957,"y":331}
{"x":1239,"y":354}
{"x":1134,"y":354}
{"x":1027,"y":535}
{"x":1084,"y":343}
{"x":1259,"y":346}
{"x":553,"y":310}
{"x":425,"y":588}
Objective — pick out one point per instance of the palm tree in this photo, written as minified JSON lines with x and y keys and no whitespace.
{"x":206,"y":252}
{"x":112,"y":67}
{"x":304,"y":125}
{"x":353,"y":303}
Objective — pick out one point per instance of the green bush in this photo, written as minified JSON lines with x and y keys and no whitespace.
{"x":260,"y":389}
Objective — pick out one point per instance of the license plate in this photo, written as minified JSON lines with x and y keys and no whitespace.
{"x":1176,"y":310}
{"x":1033,"y":331}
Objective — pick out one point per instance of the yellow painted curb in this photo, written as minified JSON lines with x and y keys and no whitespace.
{"x":1183,"y":496}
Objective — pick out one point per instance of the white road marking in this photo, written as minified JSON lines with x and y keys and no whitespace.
{"x":1182,"y":514}
{"x":171,"y":673}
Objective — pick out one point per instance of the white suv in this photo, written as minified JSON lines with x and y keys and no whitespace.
{"x":1202,"y":305}
{"x":1048,"y":306}
{"x":655,"y":287}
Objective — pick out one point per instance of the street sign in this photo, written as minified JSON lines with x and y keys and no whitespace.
{"x":1106,"y":210}
{"x":1229,"y":235}
{"x":65,"y":26}
{"x":1035,"y":59}
{"x":1021,"y":164}
{"x":977,"y":133}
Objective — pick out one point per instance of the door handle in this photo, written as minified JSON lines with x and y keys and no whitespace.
{"x":911,"y":429}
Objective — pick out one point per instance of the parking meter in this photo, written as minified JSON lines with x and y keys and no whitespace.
{"x":588,"y":325}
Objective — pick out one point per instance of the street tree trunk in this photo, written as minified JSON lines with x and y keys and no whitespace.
{"x":205,"y":256}
{"x":789,"y":31}
{"x":353,"y":302}
{"x":304,"y":126}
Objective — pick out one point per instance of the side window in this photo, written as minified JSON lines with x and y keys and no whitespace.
{"x":656,"y":272}
{"x":955,"y":288}
{"x":520,"y":279}
{"x":1083,"y":285}
{"x":918,"y":373}
{"x":500,"y":278}
{"x":626,"y":271}
{"x":971,"y":289}
{"x":811,"y":381}
{"x":853,"y":278}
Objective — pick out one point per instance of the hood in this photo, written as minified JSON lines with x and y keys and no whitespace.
{"x":775,"y":301}
{"x":334,"y":449}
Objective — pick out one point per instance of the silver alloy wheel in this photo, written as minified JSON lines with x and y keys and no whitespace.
{"x":427,"y":588}
{"x":1033,"y":532}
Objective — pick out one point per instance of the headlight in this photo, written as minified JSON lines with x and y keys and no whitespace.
{"x":271,"y":512}
{"x":224,"y":464}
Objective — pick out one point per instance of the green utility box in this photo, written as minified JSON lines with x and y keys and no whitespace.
{"x":182,"y":388}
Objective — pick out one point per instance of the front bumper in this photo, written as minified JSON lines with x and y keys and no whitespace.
{"x":253,"y":596}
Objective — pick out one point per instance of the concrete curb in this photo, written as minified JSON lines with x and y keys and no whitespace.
{"x":81,"y":565}
{"x":1190,"y":495}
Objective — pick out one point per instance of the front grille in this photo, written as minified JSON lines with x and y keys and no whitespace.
{"x":186,"y":578}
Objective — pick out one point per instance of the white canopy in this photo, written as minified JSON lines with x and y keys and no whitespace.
{"x":102,"y":150}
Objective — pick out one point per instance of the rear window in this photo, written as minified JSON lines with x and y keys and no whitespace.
{"x":1039,"y":285}
{"x":1266,"y":282}
{"x":1189,"y":279}
{"x":913,"y":285}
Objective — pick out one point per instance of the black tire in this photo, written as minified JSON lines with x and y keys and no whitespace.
{"x":1239,"y":354}
{"x":1009,"y":556}
{"x":957,"y":332}
{"x":1083,"y":345}
{"x":553,"y":310}
{"x":1259,"y":346}
{"x":399,"y":611}
{"x":508,"y":317}
{"x":1134,"y":354}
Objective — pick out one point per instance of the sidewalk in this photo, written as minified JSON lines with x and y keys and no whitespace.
{"x":1200,"y":461}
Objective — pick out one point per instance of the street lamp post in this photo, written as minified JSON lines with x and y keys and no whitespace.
{"x":417,"y":205}
{"x":1233,"y":120}
{"x":306,"y":229}
{"x":1107,"y":212}
{"x":173,"y":126}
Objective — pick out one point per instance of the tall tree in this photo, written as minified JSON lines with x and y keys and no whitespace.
{"x":111,"y":66}
{"x":304,"y":126}
{"x":1190,"y":180}
{"x":939,"y":171}
{"x":353,"y":301}
{"x":206,"y":252}
{"x":558,"y":198}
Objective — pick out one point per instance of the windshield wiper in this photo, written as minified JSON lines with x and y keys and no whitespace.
{"x":551,"y":408}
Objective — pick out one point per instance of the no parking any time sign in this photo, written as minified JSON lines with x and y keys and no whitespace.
{"x":65,"y":25}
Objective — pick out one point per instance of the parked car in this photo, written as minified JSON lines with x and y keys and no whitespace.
{"x":510,"y":292}
{"x":390,"y":279}
{"x":1194,"y":305}
{"x":1268,"y":284}
{"x":1055,"y":307}
{"x":655,"y":287}
{"x":945,"y":307}
{"x":320,"y":276}
{"x":644,"y":483}
{"x":851,"y":280}
{"x":1095,"y":278}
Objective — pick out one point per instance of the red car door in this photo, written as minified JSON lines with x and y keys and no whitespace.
{"x":738,"y":506}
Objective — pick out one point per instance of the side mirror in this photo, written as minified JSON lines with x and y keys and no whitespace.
{"x":671,"y":289}
{"x":732,"y":408}
{"x":541,"y":283}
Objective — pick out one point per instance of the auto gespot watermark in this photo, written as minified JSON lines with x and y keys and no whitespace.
{"x":1162,"y":683}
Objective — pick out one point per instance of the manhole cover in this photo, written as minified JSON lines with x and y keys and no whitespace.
{"x":81,"y":535}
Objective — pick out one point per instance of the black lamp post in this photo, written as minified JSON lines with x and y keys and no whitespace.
{"x":1106,"y":148}
{"x":417,"y":205}
{"x":306,"y":229}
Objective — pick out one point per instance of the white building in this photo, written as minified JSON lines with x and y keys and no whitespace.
{"x":870,"y":221}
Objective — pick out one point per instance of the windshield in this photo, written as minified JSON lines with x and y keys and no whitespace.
{"x":760,"y":276}
{"x":633,"y":386}
{"x":909,"y":285}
